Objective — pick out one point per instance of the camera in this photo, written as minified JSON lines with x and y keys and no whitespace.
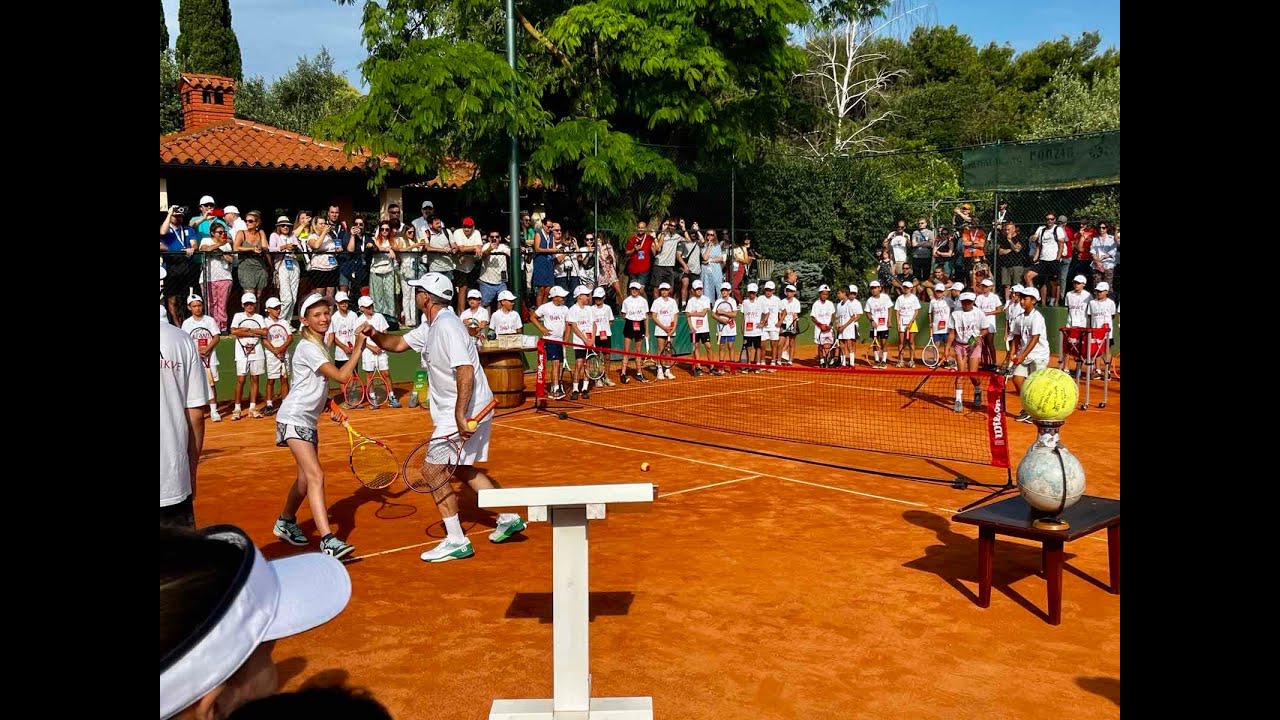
{"x":179,"y":210}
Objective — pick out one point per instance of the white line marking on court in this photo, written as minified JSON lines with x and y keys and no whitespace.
{"x":855,"y":492}
{"x":406,"y":547}
{"x":705,"y":487}
{"x":702,"y":397}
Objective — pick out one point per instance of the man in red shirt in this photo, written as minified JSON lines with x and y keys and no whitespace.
{"x":1082,"y":254}
{"x":640,"y":254}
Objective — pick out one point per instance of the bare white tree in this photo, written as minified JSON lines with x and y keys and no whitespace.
{"x":845,"y":73}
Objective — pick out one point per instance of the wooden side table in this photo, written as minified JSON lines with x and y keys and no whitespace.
{"x":1014,"y":516}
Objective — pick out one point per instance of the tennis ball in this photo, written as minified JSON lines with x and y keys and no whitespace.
{"x":1049,"y":394}
{"x":472,"y":424}
{"x":644,"y":467}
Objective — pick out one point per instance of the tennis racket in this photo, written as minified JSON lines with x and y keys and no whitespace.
{"x":668,"y":354}
{"x":353,"y":390}
{"x":724,"y":309}
{"x":649,"y":362}
{"x":280,"y":337}
{"x":930,"y":353}
{"x":371,"y":461}
{"x":433,"y":463}
{"x":830,"y":347}
{"x":248,"y":344}
{"x":595,"y":365}
{"x":802,"y":325}
{"x":203,"y":337}
{"x":566,"y":378}
{"x":378,"y":389}
{"x":873,"y":349}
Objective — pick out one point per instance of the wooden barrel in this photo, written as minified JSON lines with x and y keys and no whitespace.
{"x":505,"y":373}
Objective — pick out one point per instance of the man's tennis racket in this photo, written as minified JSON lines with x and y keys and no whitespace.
{"x":595,"y":365}
{"x":378,"y":389}
{"x":372,"y":462}
{"x":930,"y":354}
{"x":203,"y":338}
{"x":433,"y":463}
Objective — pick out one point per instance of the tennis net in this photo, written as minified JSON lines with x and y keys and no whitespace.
{"x":904,"y":412}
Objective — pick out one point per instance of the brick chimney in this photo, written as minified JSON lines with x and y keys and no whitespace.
{"x":206,"y":100}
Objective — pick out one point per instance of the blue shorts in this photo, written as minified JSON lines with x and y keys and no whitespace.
{"x":489,"y":292}
{"x":555,"y":351}
{"x":940,"y":337}
{"x":727,"y":339}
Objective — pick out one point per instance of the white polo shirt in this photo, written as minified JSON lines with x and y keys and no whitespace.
{"x":182,"y":386}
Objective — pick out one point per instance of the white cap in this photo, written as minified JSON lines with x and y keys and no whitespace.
{"x":907,"y":283}
{"x":821,"y":288}
{"x":752,"y":287}
{"x":1031,"y":291}
{"x":696,"y":285}
{"x":342,"y":296}
{"x":768,"y":285}
{"x":507,"y":295}
{"x":436,"y":284}
{"x":365,"y":301}
{"x":1102,"y":287}
{"x":957,"y":286}
{"x":580,"y":290}
{"x":248,"y":298}
{"x":988,"y":282}
{"x":635,"y":285}
{"x":725,"y":286}
{"x":428,"y":203}
{"x":597,"y":293}
{"x":473,"y":294}
{"x":967,"y":296}
{"x":162,"y":272}
{"x":270,"y":600}
{"x":230,"y":209}
{"x":1017,"y":288}
{"x":206,"y":200}
{"x":557,"y":291}
{"x":194,"y":298}
{"x":874,"y":283}
{"x":272,"y":302}
{"x":1080,"y":279}
{"x":853,"y":288}
{"x":939,"y":287}
{"x":312,"y":299}
{"x":664,"y":286}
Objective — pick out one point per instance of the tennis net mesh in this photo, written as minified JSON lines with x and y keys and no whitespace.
{"x":904,"y":412}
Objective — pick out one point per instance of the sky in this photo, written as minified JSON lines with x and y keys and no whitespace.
{"x":273,"y":34}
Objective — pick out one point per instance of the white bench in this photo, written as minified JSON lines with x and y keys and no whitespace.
{"x":569,"y":508}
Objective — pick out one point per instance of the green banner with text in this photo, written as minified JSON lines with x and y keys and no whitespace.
{"x":1044,"y":164}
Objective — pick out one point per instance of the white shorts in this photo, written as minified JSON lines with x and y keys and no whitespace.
{"x":275,"y":367}
{"x":1027,"y":367}
{"x":476,"y":449}
{"x":213,"y":369}
{"x":990,"y":323}
{"x":850,"y":333}
{"x":254,"y":366}
{"x":769,"y":333}
{"x":370,"y":362}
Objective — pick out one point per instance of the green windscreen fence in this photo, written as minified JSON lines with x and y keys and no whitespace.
{"x":1082,"y":160}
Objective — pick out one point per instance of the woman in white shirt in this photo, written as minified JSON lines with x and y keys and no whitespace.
{"x":296,"y":425}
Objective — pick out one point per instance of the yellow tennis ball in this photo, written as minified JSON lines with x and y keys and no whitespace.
{"x":472,"y":424}
{"x":644,"y":467}
{"x":1049,"y":394}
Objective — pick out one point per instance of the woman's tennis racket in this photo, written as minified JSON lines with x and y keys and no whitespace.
{"x":353,"y":390}
{"x":433,"y":463}
{"x":202,"y":338}
{"x":372,"y":462}
{"x":378,"y":389}
{"x":595,"y":365}
{"x":930,"y":354}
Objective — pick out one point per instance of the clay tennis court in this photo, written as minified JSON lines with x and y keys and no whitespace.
{"x":755,"y":587}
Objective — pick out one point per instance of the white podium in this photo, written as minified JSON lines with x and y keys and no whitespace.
{"x":569,"y":508}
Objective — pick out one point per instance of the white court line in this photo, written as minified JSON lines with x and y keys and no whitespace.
{"x":701,"y":397}
{"x":855,"y":492}
{"x":406,"y":547}
{"x":704,"y":487}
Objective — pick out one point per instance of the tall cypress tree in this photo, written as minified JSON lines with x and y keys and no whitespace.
{"x":206,"y":42}
{"x":164,"y":31}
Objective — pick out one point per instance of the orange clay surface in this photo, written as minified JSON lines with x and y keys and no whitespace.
{"x":754,"y":588}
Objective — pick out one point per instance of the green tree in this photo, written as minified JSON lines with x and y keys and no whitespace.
{"x":299,"y":99}
{"x":164,"y":31}
{"x":1074,"y":105}
{"x":619,"y":73}
{"x":206,"y":42}
{"x":170,"y":101}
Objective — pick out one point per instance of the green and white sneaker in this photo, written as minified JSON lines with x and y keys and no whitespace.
{"x":506,"y":529}
{"x":289,"y":532}
{"x":448,"y":550}
{"x":335,"y":547}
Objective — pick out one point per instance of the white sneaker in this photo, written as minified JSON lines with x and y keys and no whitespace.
{"x":448,"y":550}
{"x":214,"y":416}
{"x":506,"y":528}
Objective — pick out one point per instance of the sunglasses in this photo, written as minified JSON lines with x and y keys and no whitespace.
{"x":384,"y":229}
